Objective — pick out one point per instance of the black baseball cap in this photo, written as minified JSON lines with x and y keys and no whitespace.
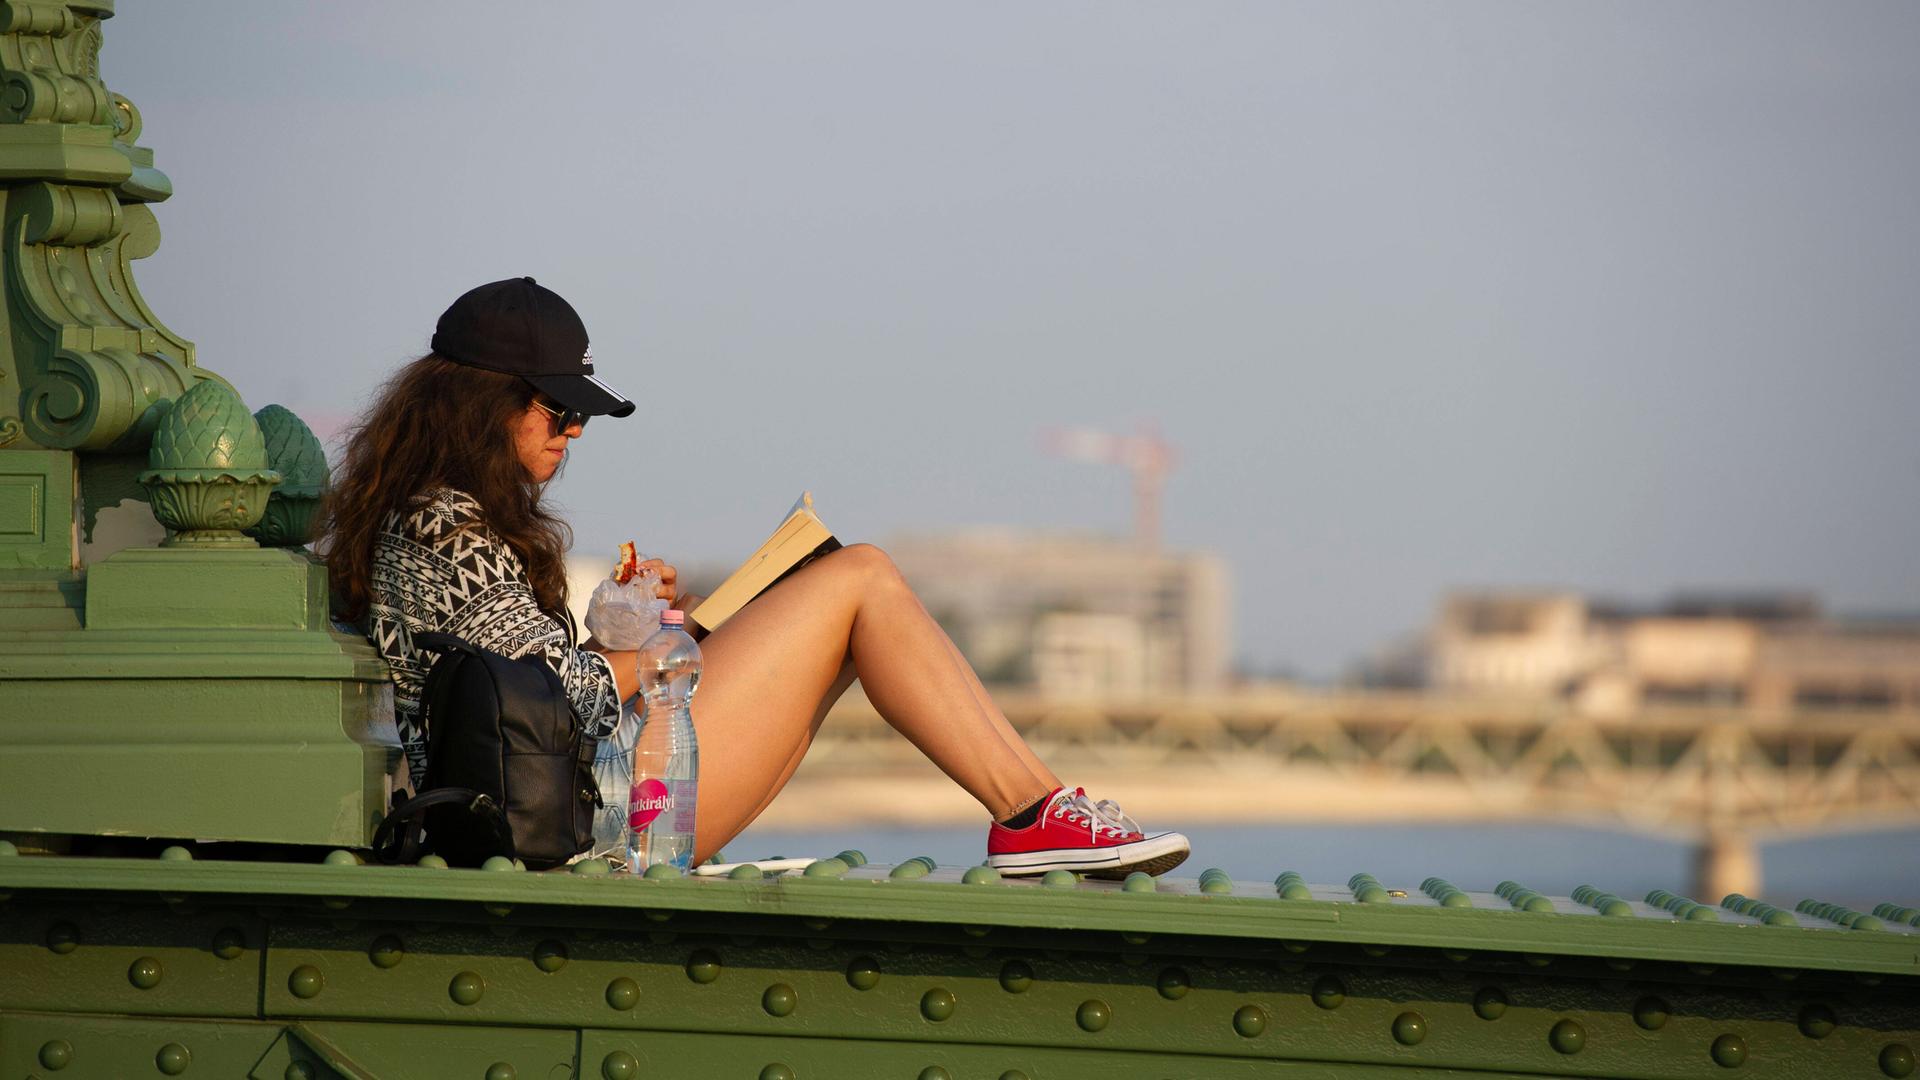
{"x":521,"y":327}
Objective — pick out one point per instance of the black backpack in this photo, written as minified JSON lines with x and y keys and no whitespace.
{"x":509,"y":768}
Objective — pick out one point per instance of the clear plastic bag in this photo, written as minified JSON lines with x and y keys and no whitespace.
{"x":625,"y":616}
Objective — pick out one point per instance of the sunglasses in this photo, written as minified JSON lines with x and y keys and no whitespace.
{"x":563,"y":419}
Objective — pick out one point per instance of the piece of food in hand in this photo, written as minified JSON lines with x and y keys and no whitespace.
{"x":629,"y":563}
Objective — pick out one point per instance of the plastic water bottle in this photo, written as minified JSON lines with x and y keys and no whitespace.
{"x":666,"y":757}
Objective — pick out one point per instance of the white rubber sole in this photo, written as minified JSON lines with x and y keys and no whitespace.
{"x":1153,"y":855}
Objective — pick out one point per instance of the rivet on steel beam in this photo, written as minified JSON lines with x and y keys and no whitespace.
{"x":1328,"y":993}
{"x":937,"y":1004}
{"x":917,"y":867}
{"x":1291,"y":886}
{"x":144,"y":973}
{"x":980,"y":875}
{"x":1766,"y":913}
{"x":1016,"y":976}
{"x":1138,"y":882}
{"x":229,"y":942}
{"x":825,"y":868}
{"x":816,"y":922}
{"x":1817,"y":1021}
{"x":1135,"y":937}
{"x":1458,"y":956}
{"x":386,"y":951}
{"x":1682,"y":907}
{"x":1060,"y":879}
{"x":592,"y":868}
{"x":1651,"y":1013}
{"x":662,"y":872}
{"x":1567,"y":1037}
{"x":1729,"y":1051}
{"x":1173,"y":983}
{"x":550,"y":955}
{"x":1376,"y":951}
{"x":623,"y":993}
{"x":466,"y":988}
{"x":975,"y":930}
{"x":935,"y":1072}
{"x":1249,"y":1021}
{"x":1896,"y":1060}
{"x":853,"y":857}
{"x":432,"y":862}
{"x":1093,"y":1015}
{"x":340,"y":857}
{"x":63,"y":938}
{"x":298,"y":1070}
{"x":1215,"y":881}
{"x":501,"y":1070}
{"x":1409,"y":1029}
{"x":779,"y":1000}
{"x":56,"y":1054}
{"x":1443,"y":891}
{"x":176,"y":853}
{"x":1603,"y":902}
{"x":498,"y":864}
{"x":776,"y":1071}
{"x":1538,"y":960}
{"x":1013,"y":1074}
{"x":173,"y":1059}
{"x":1368,"y":890}
{"x":1490,"y":1003}
{"x":621,"y":1065}
{"x":306,"y":981}
{"x":703,"y":966}
{"x":1523,"y":898}
{"x":863,"y":973}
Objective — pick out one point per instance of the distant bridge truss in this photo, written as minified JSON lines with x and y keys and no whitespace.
{"x":1723,"y":778}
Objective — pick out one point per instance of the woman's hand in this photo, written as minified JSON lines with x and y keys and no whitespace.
{"x":669,"y":577}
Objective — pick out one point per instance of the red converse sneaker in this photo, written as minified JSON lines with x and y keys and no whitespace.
{"x":1078,"y":834}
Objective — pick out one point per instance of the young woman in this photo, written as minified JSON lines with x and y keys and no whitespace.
{"x":436,"y":523}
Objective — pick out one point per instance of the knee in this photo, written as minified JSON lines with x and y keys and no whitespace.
{"x":870,"y":563}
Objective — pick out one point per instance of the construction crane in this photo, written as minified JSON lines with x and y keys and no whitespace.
{"x":1144,"y":454}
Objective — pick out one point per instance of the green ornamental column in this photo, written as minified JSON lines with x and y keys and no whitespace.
{"x":195,"y":689}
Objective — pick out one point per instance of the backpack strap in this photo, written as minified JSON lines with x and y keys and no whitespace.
{"x":398,"y":839}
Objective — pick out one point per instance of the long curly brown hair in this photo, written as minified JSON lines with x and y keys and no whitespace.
{"x":437,"y":424}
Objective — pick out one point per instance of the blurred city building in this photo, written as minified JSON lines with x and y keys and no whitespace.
{"x":1776,"y":651}
{"x":1076,"y":615}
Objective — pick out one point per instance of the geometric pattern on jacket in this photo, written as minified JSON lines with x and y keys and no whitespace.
{"x":441,"y":568}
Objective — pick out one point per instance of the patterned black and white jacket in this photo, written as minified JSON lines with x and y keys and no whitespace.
{"x":441,"y":568}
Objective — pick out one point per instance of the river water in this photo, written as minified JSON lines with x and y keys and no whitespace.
{"x":1858,"y":870}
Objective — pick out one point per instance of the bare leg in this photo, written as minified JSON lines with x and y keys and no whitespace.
{"x":771,"y":670}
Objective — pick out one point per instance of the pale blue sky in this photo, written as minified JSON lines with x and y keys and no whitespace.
{"x":1611,"y":296}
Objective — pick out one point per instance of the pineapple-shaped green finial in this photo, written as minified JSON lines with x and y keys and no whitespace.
{"x":208,"y":477}
{"x":296,"y":454}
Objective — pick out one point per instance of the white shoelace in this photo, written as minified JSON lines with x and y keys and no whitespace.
{"x":1104,"y":816}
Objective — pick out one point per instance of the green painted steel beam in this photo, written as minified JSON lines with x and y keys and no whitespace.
{"x":870,"y":893}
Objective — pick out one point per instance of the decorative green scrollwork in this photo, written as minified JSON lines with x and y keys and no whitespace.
{"x":84,"y":364}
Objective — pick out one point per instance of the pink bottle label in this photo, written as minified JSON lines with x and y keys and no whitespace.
{"x":648,"y":800}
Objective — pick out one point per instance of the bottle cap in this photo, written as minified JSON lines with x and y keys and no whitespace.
{"x":673,"y":618}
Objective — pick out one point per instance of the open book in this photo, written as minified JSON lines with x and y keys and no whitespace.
{"x":800,"y":539}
